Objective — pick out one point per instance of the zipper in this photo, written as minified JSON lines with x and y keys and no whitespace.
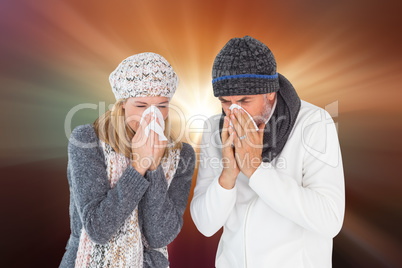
{"x":244,"y":232}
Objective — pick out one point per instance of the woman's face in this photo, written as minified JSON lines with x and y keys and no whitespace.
{"x":134,"y":107}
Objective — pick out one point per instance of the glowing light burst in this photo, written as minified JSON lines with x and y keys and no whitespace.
{"x":190,"y":110}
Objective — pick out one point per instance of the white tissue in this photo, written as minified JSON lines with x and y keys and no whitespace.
{"x":234,"y":105}
{"x":153,"y":124}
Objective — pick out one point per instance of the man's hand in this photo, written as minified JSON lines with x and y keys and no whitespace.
{"x":230,"y":169}
{"x":248,"y":142}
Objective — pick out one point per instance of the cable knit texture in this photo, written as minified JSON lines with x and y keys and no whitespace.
{"x":142,"y":75}
{"x":241,"y":56}
{"x":112,"y":205}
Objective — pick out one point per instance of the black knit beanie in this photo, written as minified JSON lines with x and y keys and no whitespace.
{"x":244,"y":66}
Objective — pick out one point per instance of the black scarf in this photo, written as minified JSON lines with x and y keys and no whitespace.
{"x":280,"y":124}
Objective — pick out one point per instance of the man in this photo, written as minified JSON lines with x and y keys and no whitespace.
{"x":277,"y":191}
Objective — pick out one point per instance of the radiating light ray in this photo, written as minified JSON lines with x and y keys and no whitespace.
{"x":373,"y":240}
{"x":57,"y":14}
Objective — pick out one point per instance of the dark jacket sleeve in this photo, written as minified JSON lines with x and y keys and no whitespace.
{"x":102,"y":209}
{"x":162,"y":208}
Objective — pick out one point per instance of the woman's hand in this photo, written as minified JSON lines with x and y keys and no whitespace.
{"x":141,"y":149}
{"x":148,"y":151}
{"x":159,"y":148}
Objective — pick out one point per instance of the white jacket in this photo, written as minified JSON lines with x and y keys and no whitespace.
{"x":287,"y":213}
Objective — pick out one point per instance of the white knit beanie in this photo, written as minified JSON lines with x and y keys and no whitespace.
{"x":144,"y":75}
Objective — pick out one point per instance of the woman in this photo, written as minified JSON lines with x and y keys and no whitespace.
{"x":129,"y":185}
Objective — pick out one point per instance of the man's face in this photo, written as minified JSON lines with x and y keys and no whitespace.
{"x":258,"y":106}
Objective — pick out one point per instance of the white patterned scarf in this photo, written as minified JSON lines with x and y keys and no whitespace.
{"x":125,"y":249}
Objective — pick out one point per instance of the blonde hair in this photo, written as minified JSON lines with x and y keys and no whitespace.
{"x":111,"y":127}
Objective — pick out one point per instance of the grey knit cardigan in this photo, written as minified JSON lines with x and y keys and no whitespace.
{"x":101,"y":210}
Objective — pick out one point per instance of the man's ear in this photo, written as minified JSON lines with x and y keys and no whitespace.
{"x":271,"y":96}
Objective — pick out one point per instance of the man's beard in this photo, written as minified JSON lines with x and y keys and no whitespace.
{"x":259,"y":119}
